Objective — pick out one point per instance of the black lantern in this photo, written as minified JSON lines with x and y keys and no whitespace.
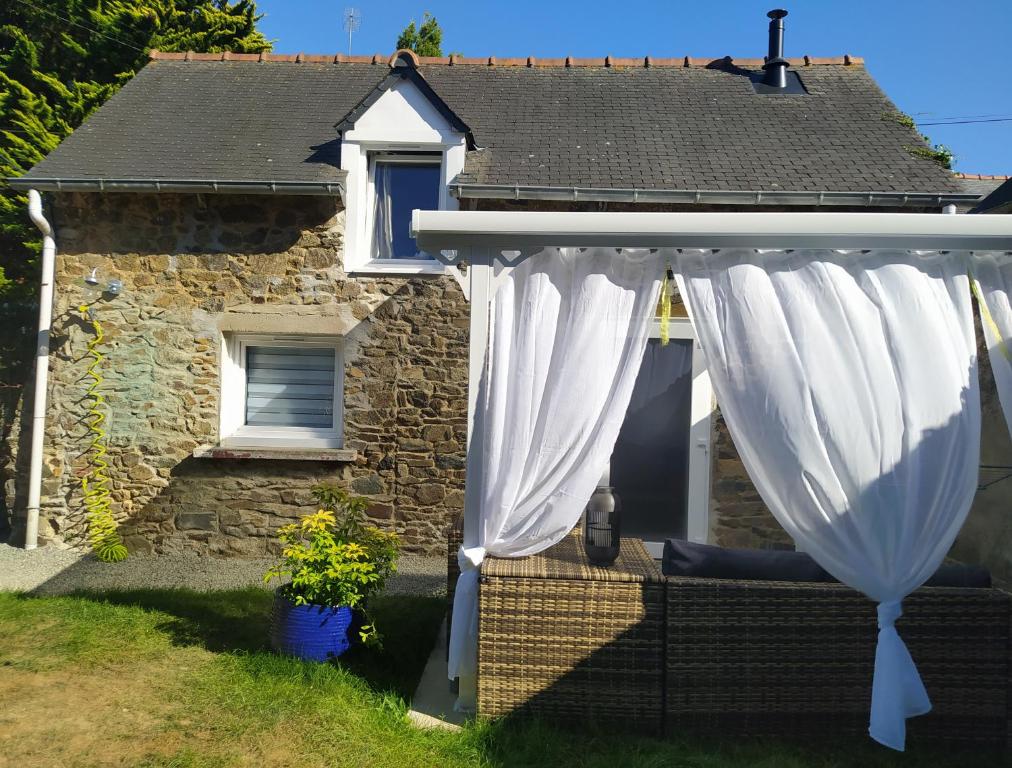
{"x":601,"y":531}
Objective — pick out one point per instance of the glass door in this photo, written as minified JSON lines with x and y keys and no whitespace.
{"x":660,"y":466}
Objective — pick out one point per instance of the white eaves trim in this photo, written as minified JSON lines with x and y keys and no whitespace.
{"x":450,"y":230}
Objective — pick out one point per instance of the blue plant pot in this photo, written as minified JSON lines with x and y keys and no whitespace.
{"x":312,"y":632}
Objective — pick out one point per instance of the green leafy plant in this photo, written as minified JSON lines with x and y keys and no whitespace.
{"x":939,"y":153}
{"x":936,"y":153}
{"x":334,"y":557}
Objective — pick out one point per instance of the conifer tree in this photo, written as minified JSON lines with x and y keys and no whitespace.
{"x":59,"y":61}
{"x":426,"y":40}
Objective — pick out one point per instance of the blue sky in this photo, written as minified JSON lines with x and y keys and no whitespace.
{"x":935,"y":59}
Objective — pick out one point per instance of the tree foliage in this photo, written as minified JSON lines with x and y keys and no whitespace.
{"x":60,"y":60}
{"x":426,"y":40}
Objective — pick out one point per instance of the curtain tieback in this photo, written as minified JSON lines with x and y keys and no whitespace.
{"x":888,"y":612}
{"x":470,"y":558}
{"x":896,"y":690}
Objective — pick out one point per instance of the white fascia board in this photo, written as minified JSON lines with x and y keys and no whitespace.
{"x":451,"y":230}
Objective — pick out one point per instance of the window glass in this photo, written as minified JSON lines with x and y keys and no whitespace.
{"x":290,"y":386}
{"x":400,"y":188}
{"x":650,"y":465}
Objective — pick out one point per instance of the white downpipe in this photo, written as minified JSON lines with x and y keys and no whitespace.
{"x":41,"y":367}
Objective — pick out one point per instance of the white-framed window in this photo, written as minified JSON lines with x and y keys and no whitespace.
{"x":400,"y":182}
{"x":281,"y":391}
{"x":394,"y":153}
{"x":660,"y":468}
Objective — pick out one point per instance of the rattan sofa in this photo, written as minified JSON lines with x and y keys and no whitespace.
{"x":791,"y":659}
{"x":559,"y":639}
{"x":565,"y":640}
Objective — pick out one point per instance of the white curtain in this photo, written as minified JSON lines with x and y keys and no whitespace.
{"x":383,"y":233}
{"x":569,"y":328}
{"x":848,"y":382}
{"x":993,"y":273}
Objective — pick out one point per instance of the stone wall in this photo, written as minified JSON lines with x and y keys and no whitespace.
{"x":193,"y":267}
{"x":738,"y":516}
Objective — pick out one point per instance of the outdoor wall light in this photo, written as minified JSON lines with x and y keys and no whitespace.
{"x":93,"y":288}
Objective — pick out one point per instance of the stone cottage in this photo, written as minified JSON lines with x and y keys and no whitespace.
{"x":277,"y":325}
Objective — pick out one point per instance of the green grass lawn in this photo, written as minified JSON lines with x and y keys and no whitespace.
{"x":179,"y":678}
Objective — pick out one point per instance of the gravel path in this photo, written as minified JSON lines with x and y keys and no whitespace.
{"x":52,"y":571}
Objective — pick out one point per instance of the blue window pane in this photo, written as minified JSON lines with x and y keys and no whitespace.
{"x":400,"y":188}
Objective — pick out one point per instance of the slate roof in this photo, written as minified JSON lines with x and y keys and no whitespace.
{"x":638,"y":125}
{"x":980,"y":184}
{"x":999,"y":201}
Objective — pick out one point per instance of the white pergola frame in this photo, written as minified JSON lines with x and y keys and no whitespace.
{"x":489,"y":241}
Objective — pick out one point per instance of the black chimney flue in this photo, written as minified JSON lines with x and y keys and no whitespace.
{"x":776,"y":65}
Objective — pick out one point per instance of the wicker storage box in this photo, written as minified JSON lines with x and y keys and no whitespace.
{"x":774,"y":658}
{"x":568,"y":641}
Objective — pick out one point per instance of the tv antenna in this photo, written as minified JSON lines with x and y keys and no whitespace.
{"x":352,"y":21}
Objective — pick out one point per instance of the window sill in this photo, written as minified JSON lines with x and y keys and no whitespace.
{"x":402,"y":267}
{"x":276,"y":454}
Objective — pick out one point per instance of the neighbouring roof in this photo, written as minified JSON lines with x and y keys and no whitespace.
{"x":999,"y":201}
{"x":639,"y":129}
{"x":980,"y":184}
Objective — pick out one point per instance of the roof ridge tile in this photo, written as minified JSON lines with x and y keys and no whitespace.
{"x":982,"y":176}
{"x":494,"y":61}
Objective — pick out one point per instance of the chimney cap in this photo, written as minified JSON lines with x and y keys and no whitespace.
{"x":777,"y":13}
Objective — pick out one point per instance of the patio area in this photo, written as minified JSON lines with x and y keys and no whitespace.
{"x":843,"y":359}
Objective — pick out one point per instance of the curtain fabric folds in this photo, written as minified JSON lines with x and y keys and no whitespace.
{"x":848,"y":382}
{"x":568,"y":332}
{"x":993,"y":275}
{"x":383,"y":233}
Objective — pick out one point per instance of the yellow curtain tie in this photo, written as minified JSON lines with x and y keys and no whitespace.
{"x":666,"y":308}
{"x":985,"y":315}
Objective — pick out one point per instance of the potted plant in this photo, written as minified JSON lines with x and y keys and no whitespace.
{"x":332,"y":561}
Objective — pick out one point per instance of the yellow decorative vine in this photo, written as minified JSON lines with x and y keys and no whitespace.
{"x":666,"y":308}
{"x":102,"y":527}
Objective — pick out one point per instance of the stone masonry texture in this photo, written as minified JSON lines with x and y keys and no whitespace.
{"x":192,"y":266}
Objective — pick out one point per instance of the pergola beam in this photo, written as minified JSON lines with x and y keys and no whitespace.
{"x":438,"y":231}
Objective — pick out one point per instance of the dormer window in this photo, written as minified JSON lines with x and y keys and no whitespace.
{"x":401,"y":149}
{"x":402,"y":182}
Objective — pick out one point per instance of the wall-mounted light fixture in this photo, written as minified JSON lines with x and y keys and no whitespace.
{"x":93,"y":288}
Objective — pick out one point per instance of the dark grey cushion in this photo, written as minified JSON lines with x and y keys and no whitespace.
{"x":685,"y":558}
{"x":956,"y":575}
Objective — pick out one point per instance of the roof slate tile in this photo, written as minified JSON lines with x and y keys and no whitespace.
{"x":589,"y":126}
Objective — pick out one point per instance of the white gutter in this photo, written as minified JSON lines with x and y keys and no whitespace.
{"x":510,"y":230}
{"x":752,"y":197}
{"x":209,"y":186}
{"x":41,"y":367}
